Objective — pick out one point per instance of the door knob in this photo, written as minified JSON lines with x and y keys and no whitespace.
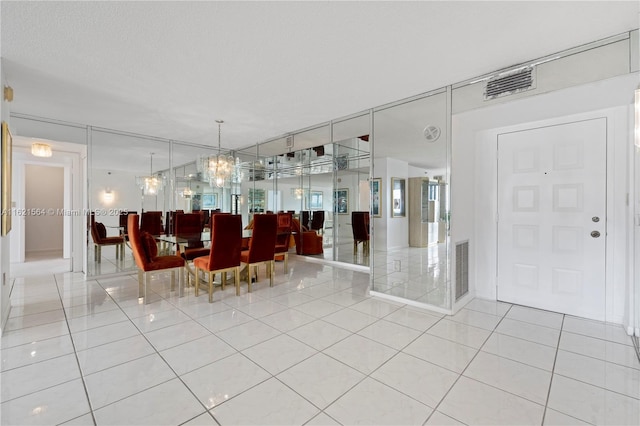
{"x":595,"y":234}
{"x":595,"y":219}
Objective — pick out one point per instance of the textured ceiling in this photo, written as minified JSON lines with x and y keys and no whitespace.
{"x":169,"y":69}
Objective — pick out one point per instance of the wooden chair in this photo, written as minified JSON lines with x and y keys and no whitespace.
{"x":283,"y":238}
{"x":261,"y":247}
{"x":145,"y":253}
{"x":224,"y":256}
{"x":99,"y":236}
{"x":360,"y":227}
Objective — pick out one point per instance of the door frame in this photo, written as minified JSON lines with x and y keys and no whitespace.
{"x":502,"y":193}
{"x":618,"y":210}
{"x":71,"y":157}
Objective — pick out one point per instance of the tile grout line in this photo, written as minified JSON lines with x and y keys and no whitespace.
{"x":75,"y":353}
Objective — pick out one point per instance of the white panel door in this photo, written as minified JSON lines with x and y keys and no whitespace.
{"x":551,"y":218}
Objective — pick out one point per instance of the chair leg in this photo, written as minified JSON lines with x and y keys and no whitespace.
{"x":210,"y":287}
{"x":98,"y":254}
{"x":271,"y":266}
{"x":140,"y":283}
{"x":147,"y":278}
{"x":237,"y":277}
{"x":196,"y":281}
{"x":249,"y":276}
{"x":286,"y":263}
{"x":223,"y":279}
{"x":173,"y":280}
{"x":355,"y":247}
{"x":182,"y":272}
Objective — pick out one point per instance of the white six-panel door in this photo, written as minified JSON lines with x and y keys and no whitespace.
{"x":551,"y":218}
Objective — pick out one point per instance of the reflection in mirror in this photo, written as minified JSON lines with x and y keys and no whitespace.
{"x":411,"y":201}
{"x":134,"y":183}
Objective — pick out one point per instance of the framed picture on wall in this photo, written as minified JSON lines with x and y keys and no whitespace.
{"x":341,"y":201}
{"x":209,"y":201}
{"x":7,"y":143}
{"x":398,"y":206}
{"x":376,"y":190}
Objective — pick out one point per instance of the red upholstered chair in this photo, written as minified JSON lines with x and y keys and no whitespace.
{"x":307,"y":242}
{"x":152,"y":223}
{"x":189,"y":226}
{"x":145,"y":253}
{"x":283,"y":238}
{"x":99,"y":235}
{"x":224,"y":256}
{"x":262,"y":246}
{"x":317,"y":221}
{"x":305,"y":218}
{"x":360,"y":227}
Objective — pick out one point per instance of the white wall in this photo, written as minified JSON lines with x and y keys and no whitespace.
{"x":5,"y":284}
{"x":44,"y":190}
{"x":474,"y":176}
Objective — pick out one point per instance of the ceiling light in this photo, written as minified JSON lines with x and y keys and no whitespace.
{"x":40,"y":149}
{"x":217,"y":169}
{"x":150,"y":185}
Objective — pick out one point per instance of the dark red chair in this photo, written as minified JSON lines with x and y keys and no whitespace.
{"x":145,"y":253}
{"x":360,"y":227}
{"x":99,"y":236}
{"x":317,"y":221}
{"x":283,"y":238}
{"x":261,"y":247}
{"x":189,"y":226}
{"x":224,"y":256}
{"x":151,"y":222}
{"x":307,"y":242}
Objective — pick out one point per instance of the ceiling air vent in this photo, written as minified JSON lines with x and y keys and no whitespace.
{"x":510,"y":83}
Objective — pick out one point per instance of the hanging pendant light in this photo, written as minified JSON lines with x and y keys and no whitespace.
{"x":40,"y":149}
{"x":217,"y":169}
{"x":150,"y":185}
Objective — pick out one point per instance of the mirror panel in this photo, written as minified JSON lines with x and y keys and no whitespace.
{"x":411,"y":201}
{"x":115,"y":187}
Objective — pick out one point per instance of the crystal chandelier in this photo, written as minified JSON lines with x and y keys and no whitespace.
{"x":217,"y":169}
{"x":150,"y":185}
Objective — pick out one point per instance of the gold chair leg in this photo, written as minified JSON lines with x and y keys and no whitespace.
{"x":140,"y":283}
{"x":237,"y":277}
{"x":146,"y":285}
{"x":223,"y":278}
{"x":249,"y":276}
{"x":286,"y":263}
{"x":98,"y":253}
{"x":196,"y":281}
{"x":181,"y":282}
{"x":173,"y":280}
{"x":271,"y":266}
{"x":210,"y":287}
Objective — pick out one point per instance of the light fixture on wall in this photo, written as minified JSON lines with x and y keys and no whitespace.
{"x":217,"y":169}
{"x":40,"y":149}
{"x":150,"y":185}
{"x":108,"y":196}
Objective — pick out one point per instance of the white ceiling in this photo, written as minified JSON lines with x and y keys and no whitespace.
{"x":169,"y":69}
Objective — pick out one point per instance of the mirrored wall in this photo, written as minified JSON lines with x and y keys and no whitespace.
{"x":410,"y":209}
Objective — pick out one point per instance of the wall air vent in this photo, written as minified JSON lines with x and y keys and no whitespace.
{"x":462,"y":269}
{"x":510,"y":83}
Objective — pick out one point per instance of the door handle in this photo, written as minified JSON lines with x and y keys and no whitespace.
{"x":595,"y":234}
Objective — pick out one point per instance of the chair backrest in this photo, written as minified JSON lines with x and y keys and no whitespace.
{"x":135,"y":240}
{"x":98,"y":231}
{"x":317,"y":222}
{"x":124,"y":219}
{"x":263,"y":238}
{"x":151,"y":222}
{"x":187,"y":225}
{"x":360,"y":225}
{"x":285,"y":222}
{"x":226,"y":240}
{"x":305,"y":217}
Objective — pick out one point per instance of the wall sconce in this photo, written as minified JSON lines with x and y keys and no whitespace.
{"x":40,"y":149}
{"x":108,"y":196}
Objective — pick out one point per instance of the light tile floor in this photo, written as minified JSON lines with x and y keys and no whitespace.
{"x":314,"y":349}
